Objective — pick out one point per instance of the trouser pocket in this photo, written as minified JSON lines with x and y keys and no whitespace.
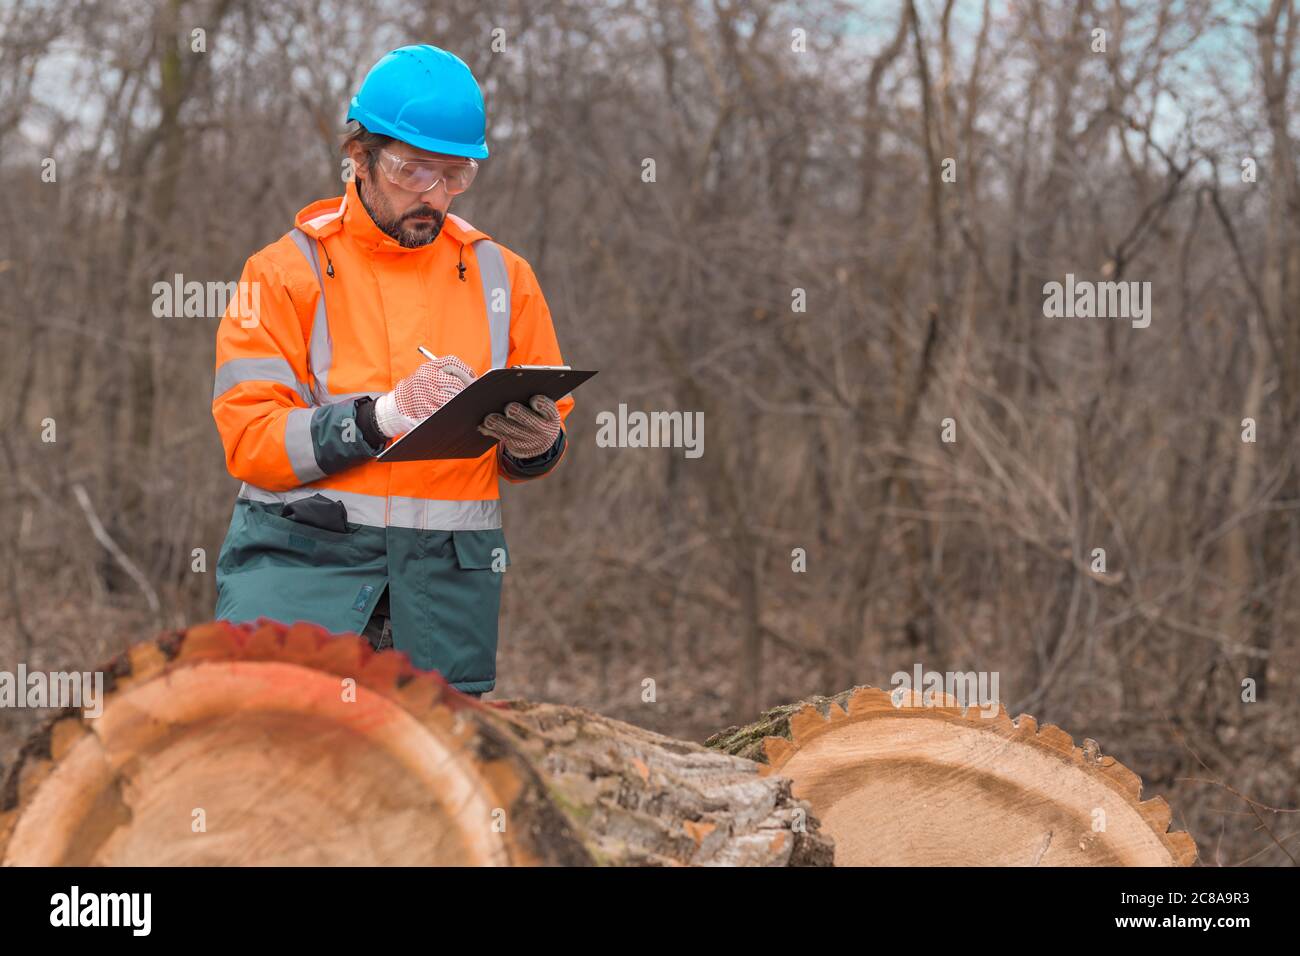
{"x":461,"y":577}
{"x":479,"y":550}
{"x":272,"y":566}
{"x":379,"y":629}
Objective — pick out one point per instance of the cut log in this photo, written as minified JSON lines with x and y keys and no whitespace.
{"x":897,"y":782}
{"x":273,"y":745}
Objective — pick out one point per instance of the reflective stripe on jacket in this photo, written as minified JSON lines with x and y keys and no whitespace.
{"x":340,"y":309}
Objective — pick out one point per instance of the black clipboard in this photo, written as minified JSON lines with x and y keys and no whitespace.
{"x":452,"y":431}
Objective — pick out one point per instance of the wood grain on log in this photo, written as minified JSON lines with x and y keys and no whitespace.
{"x":897,"y":782}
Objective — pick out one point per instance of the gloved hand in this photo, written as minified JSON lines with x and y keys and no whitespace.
{"x":524,"y":433}
{"x":420,"y":394}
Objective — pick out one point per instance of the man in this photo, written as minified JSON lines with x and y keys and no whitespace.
{"x":311,"y":388}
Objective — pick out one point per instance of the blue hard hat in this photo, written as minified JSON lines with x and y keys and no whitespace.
{"x":426,"y":97}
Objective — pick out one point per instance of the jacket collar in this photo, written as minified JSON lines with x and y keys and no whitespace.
{"x":345,"y":214}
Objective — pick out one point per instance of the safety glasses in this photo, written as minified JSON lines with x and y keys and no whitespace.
{"x":421,"y":175}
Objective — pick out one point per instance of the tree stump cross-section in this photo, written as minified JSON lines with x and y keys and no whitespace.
{"x":895,"y":780}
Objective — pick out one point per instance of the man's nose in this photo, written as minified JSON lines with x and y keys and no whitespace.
{"x":436,"y":198}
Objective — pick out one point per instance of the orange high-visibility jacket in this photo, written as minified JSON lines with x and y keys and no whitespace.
{"x":287,"y":379}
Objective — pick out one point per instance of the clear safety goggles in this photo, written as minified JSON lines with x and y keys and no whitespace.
{"x":421,"y":175}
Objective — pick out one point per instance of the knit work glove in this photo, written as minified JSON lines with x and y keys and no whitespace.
{"x":524,"y":433}
{"x":420,"y":394}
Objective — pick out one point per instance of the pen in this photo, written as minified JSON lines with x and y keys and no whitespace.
{"x":452,"y":370}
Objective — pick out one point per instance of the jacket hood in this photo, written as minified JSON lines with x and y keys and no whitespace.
{"x":326,"y":217}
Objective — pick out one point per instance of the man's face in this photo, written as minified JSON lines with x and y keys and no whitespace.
{"x":412,"y":218}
